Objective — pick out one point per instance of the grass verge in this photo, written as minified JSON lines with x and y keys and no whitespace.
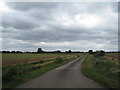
{"x":103,"y":73}
{"x":18,"y":76}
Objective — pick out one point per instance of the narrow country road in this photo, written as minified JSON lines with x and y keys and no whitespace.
{"x":66,"y":76}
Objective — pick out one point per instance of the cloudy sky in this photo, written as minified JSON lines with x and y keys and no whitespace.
{"x":27,"y":26}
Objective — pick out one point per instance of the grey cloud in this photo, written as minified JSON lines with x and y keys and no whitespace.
{"x":18,"y":21}
{"x":30,"y":5}
{"x":59,"y":35}
{"x":16,"y":45}
{"x":37,"y":22}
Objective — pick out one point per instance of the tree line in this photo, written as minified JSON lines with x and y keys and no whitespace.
{"x":39,"y":50}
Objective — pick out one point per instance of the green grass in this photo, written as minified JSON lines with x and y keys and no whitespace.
{"x":18,"y":79}
{"x":18,"y":76}
{"x":102,"y":73}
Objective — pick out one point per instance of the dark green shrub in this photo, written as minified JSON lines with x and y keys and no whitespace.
{"x":90,"y":51}
{"x":99,"y":54}
{"x":59,"y":60}
{"x":78,"y":55}
{"x":38,"y":62}
{"x":8,"y":74}
{"x":34,"y":62}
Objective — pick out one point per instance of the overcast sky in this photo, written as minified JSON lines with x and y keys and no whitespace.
{"x":27,"y":26}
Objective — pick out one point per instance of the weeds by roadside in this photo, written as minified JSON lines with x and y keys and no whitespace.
{"x":104,"y":73}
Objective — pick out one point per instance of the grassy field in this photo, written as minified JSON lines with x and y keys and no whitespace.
{"x":13,"y":58}
{"x":14,"y":75}
{"x":106,"y":73}
{"x":114,"y":56}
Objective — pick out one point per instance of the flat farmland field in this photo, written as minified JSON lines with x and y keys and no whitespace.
{"x":21,"y":58}
{"x":113,"y":55}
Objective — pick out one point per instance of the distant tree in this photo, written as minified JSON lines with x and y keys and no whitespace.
{"x":12,"y":51}
{"x":39,"y":50}
{"x":27,"y":52}
{"x":7,"y":52}
{"x":3,"y":51}
{"x":69,"y":51}
{"x":66,"y":51}
{"x":58,"y":51}
{"x":100,"y":53}
{"x":18,"y":52}
{"x":90,"y":51}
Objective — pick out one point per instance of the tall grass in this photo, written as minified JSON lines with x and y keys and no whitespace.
{"x":104,"y":73}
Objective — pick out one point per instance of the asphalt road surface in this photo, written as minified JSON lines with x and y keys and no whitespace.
{"x":66,"y":76}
